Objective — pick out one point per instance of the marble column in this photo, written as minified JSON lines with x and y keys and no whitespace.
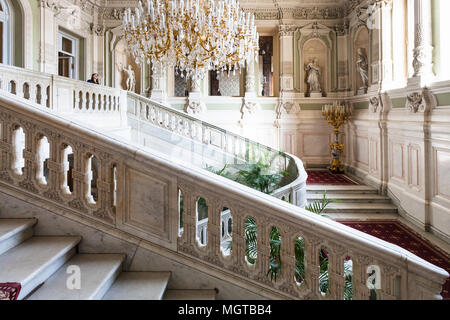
{"x":386,"y":43}
{"x":48,"y":62}
{"x":249,"y":104}
{"x":158,"y":92}
{"x":286,"y":36}
{"x":195,"y":103}
{"x":423,"y":49}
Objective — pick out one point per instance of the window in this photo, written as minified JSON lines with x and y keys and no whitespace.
{"x":399,"y":42}
{"x":5,"y":32}
{"x":67,"y":55}
{"x":442,"y":43}
{"x":266,"y":66}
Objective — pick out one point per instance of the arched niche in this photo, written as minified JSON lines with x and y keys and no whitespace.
{"x":361,"y":40}
{"x":21,"y":17}
{"x":122,"y":60}
{"x":310,"y":49}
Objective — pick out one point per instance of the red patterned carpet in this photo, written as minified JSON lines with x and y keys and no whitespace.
{"x":396,"y":233}
{"x":328,"y":178}
{"x":9,"y":290}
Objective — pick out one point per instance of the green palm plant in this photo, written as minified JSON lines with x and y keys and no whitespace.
{"x":259,"y":176}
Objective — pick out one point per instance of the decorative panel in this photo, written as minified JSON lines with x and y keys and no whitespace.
{"x":373,"y":155}
{"x":397,"y":162}
{"x":361,"y":150}
{"x":147,"y":206}
{"x":442,"y":172}
{"x":414,"y":165}
{"x":316,"y":145}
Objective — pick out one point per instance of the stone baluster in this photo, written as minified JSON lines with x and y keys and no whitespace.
{"x":82,"y":98}
{"x":288,"y":262}
{"x":76,"y":106}
{"x":239,"y":264}
{"x":32,"y":92}
{"x":312,"y":247}
{"x":6,"y":149}
{"x":101,"y":102}
{"x":336,"y":272}
{"x":187,"y":240}
{"x":105,"y":190}
{"x":79,"y":176}
{"x":262,"y":261}
{"x":360,"y":290}
{"x":29,"y":156}
{"x":158,"y":92}
{"x":388,"y":283}
{"x":213,"y":230}
{"x":55,"y":165}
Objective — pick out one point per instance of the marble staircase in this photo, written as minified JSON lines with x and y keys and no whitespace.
{"x":354,"y":201}
{"x":46,"y":265}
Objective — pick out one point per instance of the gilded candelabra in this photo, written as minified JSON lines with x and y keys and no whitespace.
{"x":337,"y":115}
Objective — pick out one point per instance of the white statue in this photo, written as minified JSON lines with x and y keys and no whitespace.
{"x":131,"y":81}
{"x":313,"y":75}
{"x":363,"y":68}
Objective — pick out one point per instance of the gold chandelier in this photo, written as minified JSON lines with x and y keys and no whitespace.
{"x":193,"y":36}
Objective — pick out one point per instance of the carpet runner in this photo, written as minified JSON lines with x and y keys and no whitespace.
{"x":396,"y":233}
{"x":9,"y":290}
{"x":327,"y":178}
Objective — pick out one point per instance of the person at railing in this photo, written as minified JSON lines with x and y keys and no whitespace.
{"x":94,"y":79}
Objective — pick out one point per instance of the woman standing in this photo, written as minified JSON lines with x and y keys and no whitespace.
{"x":94,"y":79}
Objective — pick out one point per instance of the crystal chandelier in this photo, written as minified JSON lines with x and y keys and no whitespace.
{"x":193,"y":36}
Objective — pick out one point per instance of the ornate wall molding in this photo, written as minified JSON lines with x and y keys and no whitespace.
{"x":423,"y":101}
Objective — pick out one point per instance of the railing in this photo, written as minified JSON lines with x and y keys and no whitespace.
{"x":84,"y":101}
{"x":240,"y":148}
{"x":130,"y":191}
{"x":66,"y":96}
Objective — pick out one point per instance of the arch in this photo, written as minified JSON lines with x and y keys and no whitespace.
{"x":20,"y":30}
{"x":5,"y":32}
{"x":121,"y":60}
{"x":361,"y":40}
{"x":315,"y":47}
{"x":27,"y":48}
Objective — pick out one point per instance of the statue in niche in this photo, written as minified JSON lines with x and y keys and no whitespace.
{"x":363,"y":69}
{"x":131,"y":80}
{"x":313,"y":76}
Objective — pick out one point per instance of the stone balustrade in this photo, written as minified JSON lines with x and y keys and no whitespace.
{"x":60,"y":94}
{"x":240,"y":148}
{"x":84,"y":101}
{"x":127,"y":190}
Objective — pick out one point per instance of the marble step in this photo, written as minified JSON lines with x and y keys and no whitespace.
{"x":362,"y":208}
{"x":33,"y":261}
{"x":200,"y":294}
{"x":97,"y":273}
{"x":15,"y":231}
{"x":138,"y":286}
{"x":340,"y":189}
{"x":350,"y":197}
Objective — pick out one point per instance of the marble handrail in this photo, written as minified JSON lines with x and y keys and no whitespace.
{"x":60,"y":94}
{"x":293,"y":190}
{"x":99,"y":105}
{"x":103,"y":181}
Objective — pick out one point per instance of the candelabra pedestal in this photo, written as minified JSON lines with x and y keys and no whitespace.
{"x":337,"y":115}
